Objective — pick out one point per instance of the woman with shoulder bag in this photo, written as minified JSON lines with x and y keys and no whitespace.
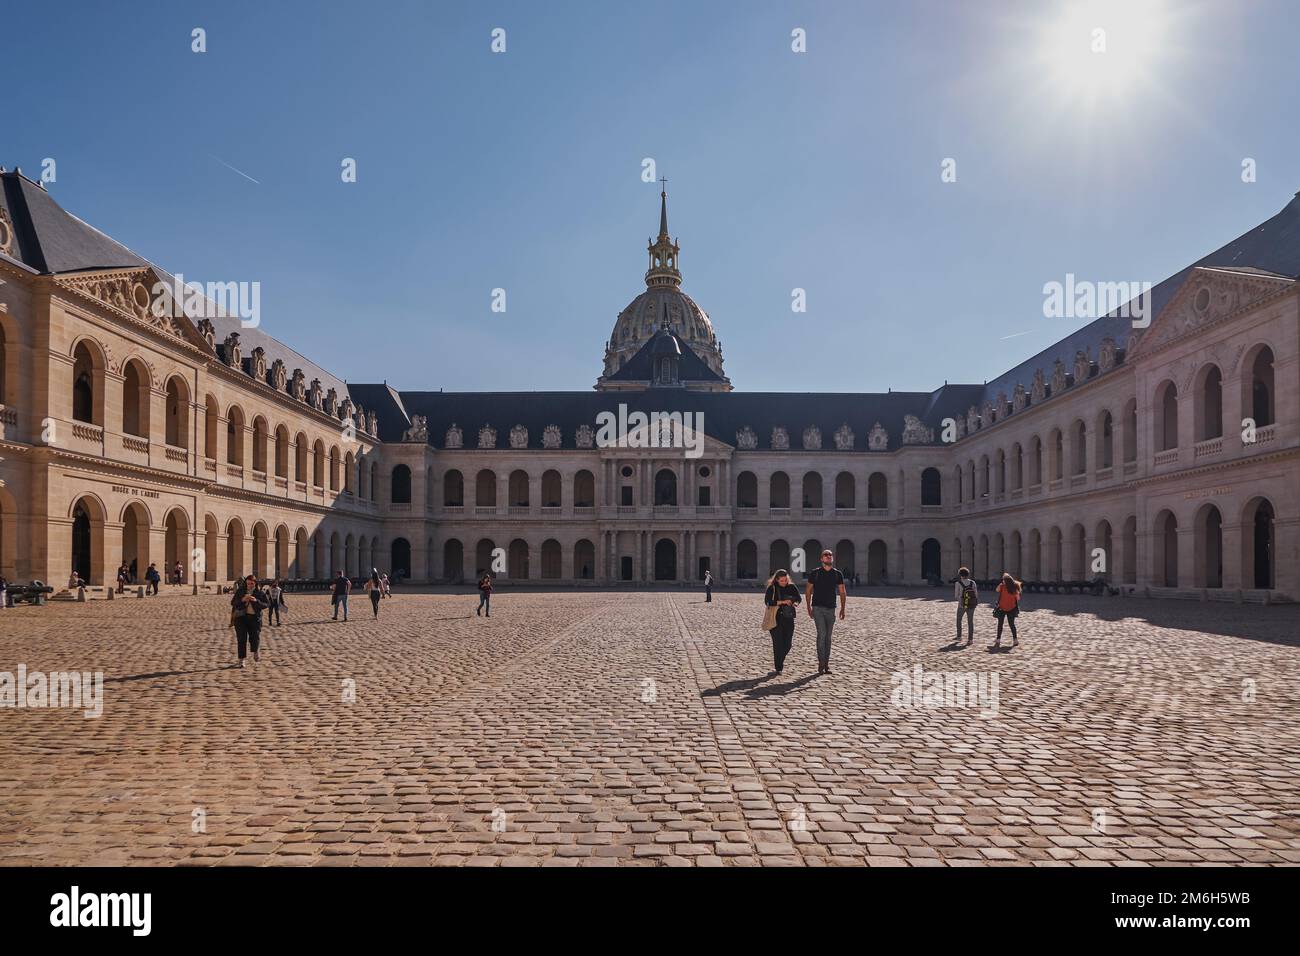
{"x":778,"y":620}
{"x":1007,"y":607}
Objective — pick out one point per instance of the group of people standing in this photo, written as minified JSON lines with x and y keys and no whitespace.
{"x":126,"y":576}
{"x":250,"y":600}
{"x":824,"y":586}
{"x":1006,"y":608}
{"x":377,"y":586}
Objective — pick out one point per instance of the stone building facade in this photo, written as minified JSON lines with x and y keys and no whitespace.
{"x":1160,"y":454}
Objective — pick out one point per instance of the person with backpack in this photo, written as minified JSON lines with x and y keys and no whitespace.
{"x":778,"y":619}
{"x":152,"y":578}
{"x":275,"y":598}
{"x":485,"y":594}
{"x":967,"y":593}
{"x":1008,"y":607}
{"x":342,"y":585}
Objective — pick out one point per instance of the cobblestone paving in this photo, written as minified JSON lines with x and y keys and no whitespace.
{"x":594,"y":728}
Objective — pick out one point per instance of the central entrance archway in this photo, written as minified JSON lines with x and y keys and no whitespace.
{"x":665,"y":560}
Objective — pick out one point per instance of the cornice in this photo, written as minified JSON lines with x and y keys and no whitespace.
{"x":189,"y":484}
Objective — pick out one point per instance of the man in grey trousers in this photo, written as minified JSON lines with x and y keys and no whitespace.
{"x":825,"y":583}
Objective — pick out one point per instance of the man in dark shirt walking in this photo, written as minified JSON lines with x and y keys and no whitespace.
{"x":824,"y":584}
{"x":342,"y":585}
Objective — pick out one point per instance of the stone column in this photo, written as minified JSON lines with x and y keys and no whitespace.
{"x":1286,"y":555}
{"x":1233,"y":572}
{"x":1186,"y":549}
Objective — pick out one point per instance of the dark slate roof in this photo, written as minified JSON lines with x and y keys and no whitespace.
{"x":725,"y":413}
{"x":50,"y":240}
{"x":1273,"y":247}
{"x":387,"y":404}
{"x":640,"y":367}
{"x":253,"y":337}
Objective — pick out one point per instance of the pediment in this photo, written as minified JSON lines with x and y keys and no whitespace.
{"x":134,"y":294}
{"x":1207,"y":297}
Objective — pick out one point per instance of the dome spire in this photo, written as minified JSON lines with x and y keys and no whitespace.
{"x":663,"y":251}
{"x":663,"y":209}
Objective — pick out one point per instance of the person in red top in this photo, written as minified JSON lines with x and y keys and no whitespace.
{"x":485,"y":594}
{"x":1008,"y":607}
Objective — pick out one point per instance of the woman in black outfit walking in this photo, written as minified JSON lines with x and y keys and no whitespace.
{"x":782,"y":595}
{"x":376,"y":589}
{"x":246,"y":609}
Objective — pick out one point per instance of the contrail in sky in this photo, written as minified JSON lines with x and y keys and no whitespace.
{"x":240,"y":171}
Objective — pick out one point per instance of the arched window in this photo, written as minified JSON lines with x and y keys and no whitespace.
{"x":747,"y":492}
{"x":1166,"y":417}
{"x":235,"y":436}
{"x":746,"y":560}
{"x":135,"y":400}
{"x":87,"y":380}
{"x":780,"y":490}
{"x":812,"y":490}
{"x":518,"y":490}
{"x":259,"y":444}
{"x":282,"y":452}
{"x":584,"y":560}
{"x":1260,"y":398}
{"x":318,"y":464}
{"x":453,"y":560}
{"x":1209,"y":403}
{"x":931,"y":488}
{"x":1056,"y":454}
{"x":178,"y":413}
{"x":1105,"y":442}
{"x":453,"y":489}
{"x":300,"y":469}
{"x":552,"y":489}
{"x":1079,"y":445}
{"x":584,"y":489}
{"x":1165,"y":551}
{"x":666,"y":487}
{"x":401,"y":491}
{"x":485,"y":489}
{"x":845,"y":491}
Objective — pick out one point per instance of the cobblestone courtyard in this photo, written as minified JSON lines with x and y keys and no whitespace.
{"x":598,"y":728}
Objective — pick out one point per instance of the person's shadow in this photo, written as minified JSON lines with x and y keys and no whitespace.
{"x":735,"y":685}
{"x":780,"y":690}
{"x":122,"y":680}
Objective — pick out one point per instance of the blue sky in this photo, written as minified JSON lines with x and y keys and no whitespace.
{"x":522,"y":170}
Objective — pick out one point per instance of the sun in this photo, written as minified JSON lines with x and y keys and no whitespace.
{"x":1104,"y":54}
